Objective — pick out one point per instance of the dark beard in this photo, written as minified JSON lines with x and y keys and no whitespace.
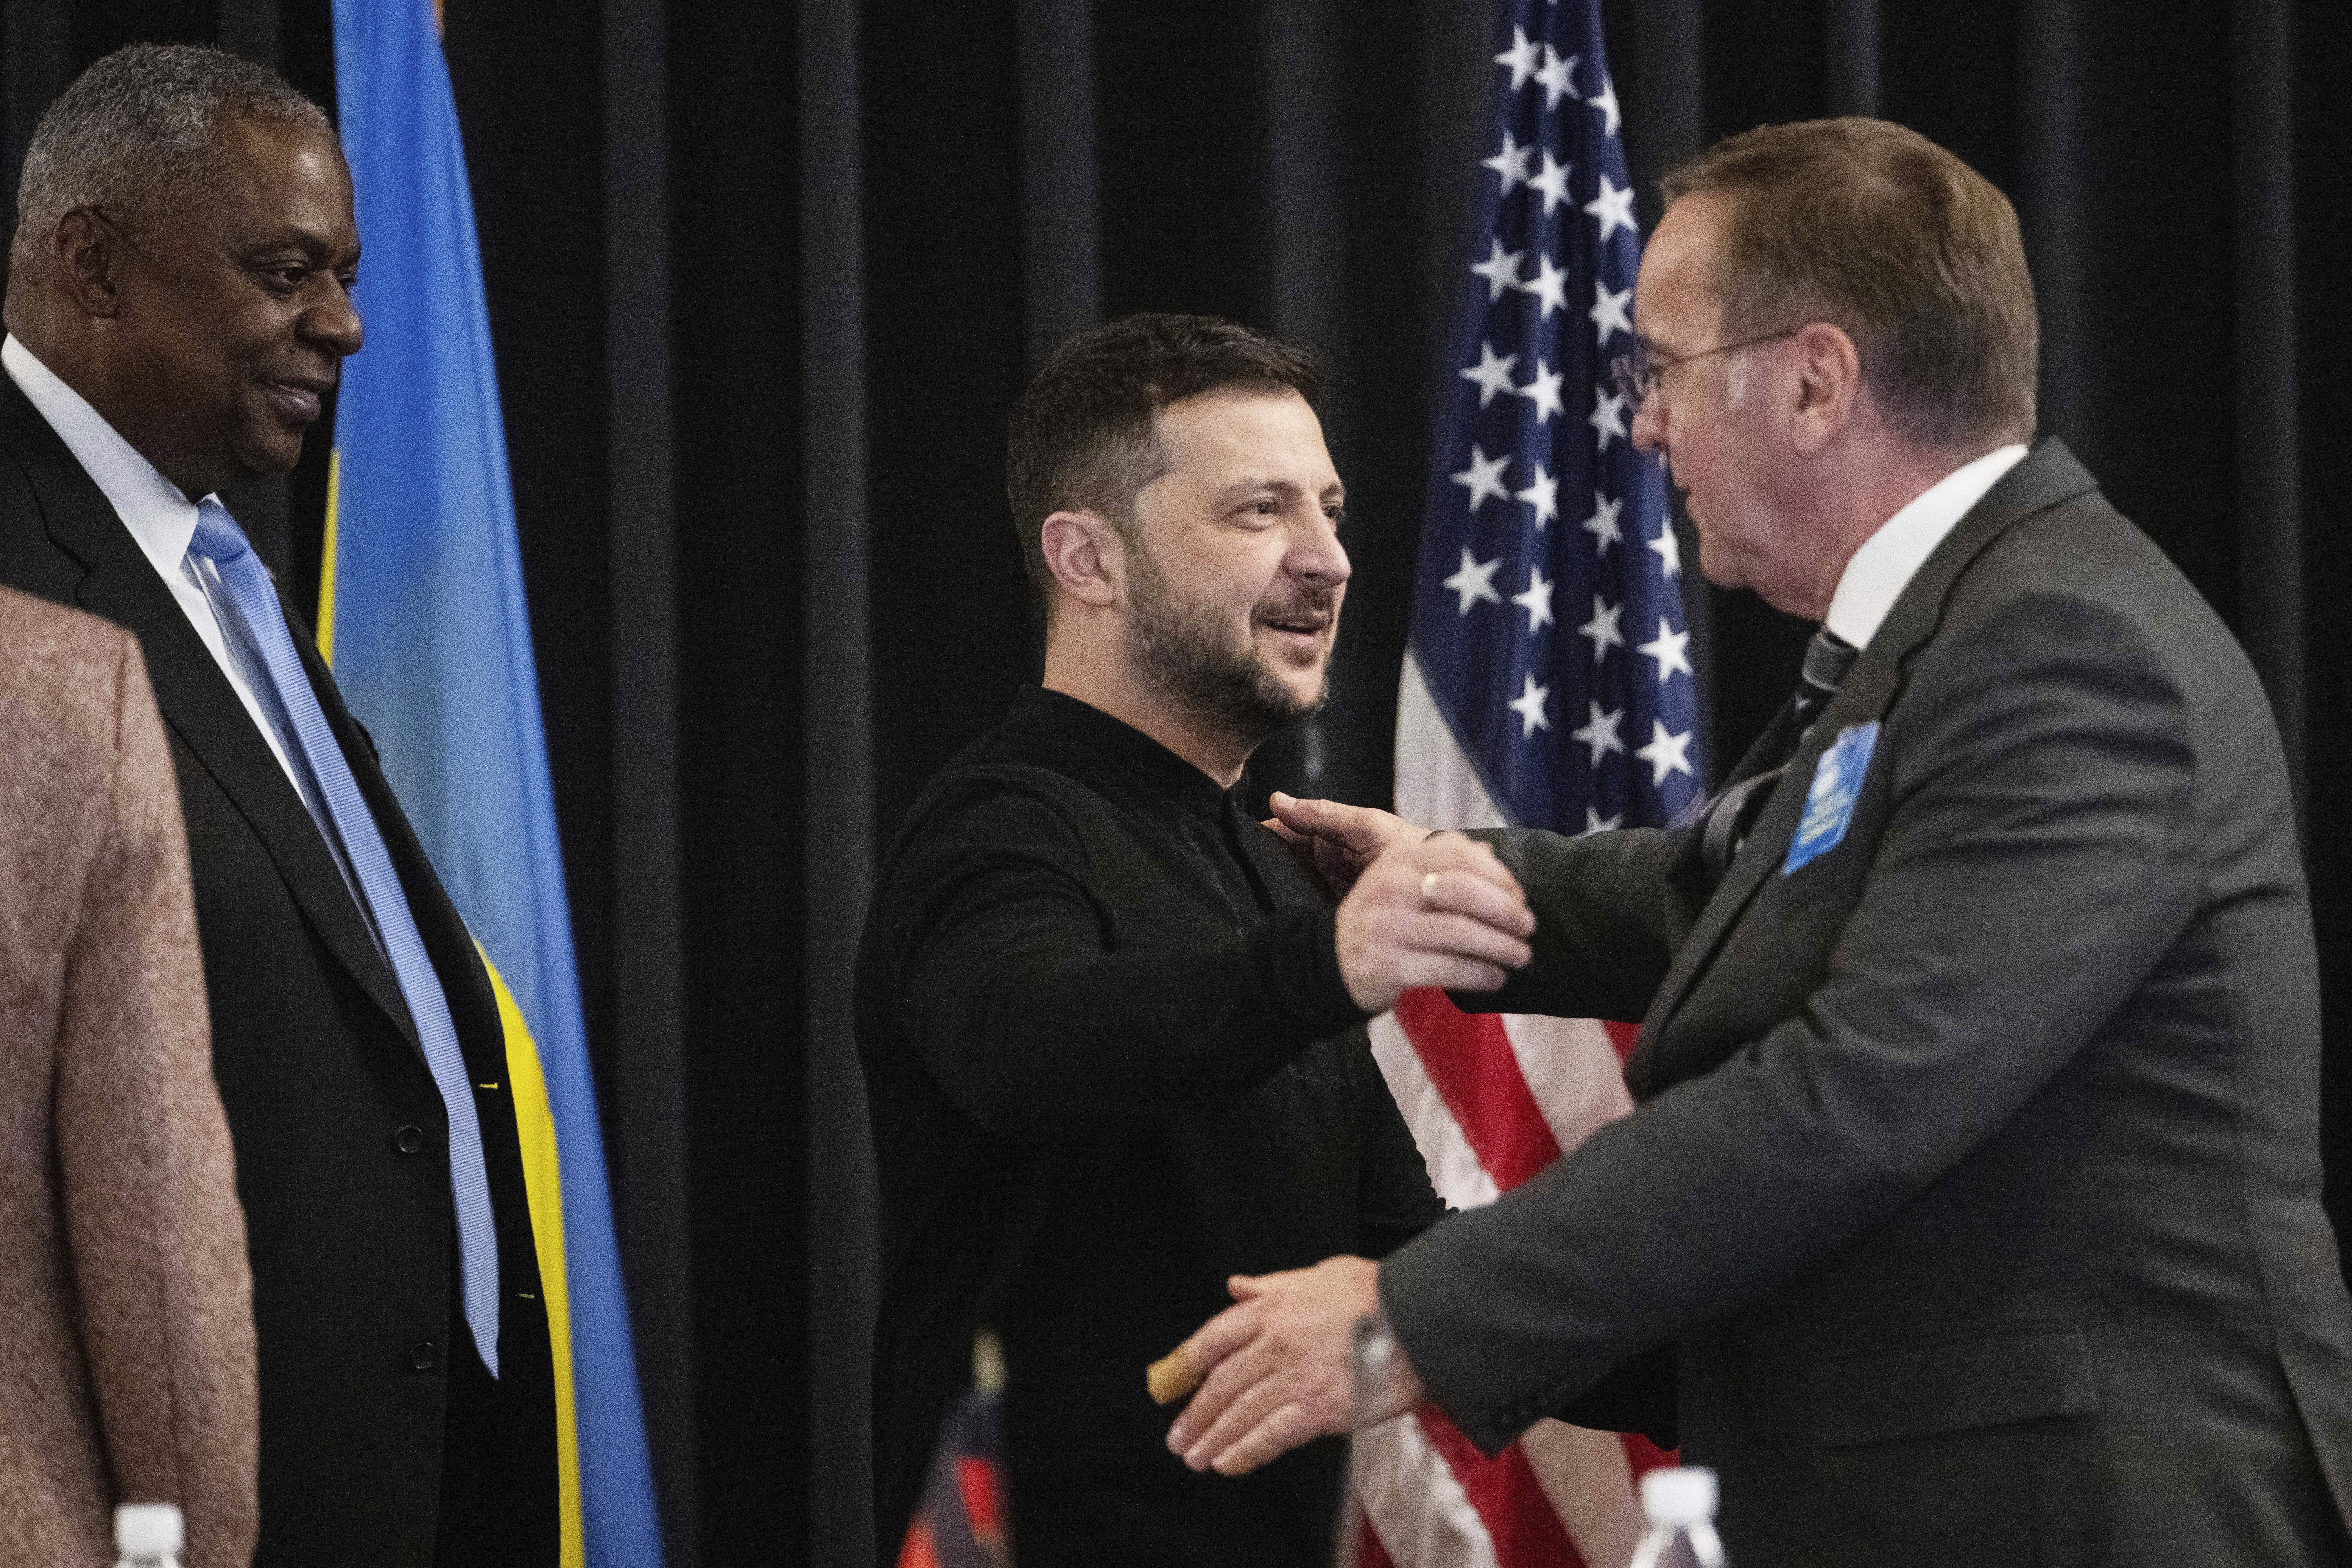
{"x":1182,"y":651}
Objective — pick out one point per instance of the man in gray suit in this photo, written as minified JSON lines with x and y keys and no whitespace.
{"x":1970,"y":1210}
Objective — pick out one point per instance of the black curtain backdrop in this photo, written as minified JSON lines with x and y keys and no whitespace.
{"x":764,"y":282}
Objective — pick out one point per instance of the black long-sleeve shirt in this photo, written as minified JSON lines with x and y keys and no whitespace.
{"x":1112,"y":1062}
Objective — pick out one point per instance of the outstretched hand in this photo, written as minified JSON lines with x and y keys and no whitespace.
{"x":1277,"y":1367}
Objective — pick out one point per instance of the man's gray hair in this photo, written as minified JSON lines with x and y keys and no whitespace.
{"x":139,"y":131}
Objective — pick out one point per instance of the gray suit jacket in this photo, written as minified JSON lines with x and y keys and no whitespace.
{"x":1973,"y":1192}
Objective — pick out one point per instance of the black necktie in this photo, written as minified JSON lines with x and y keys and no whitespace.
{"x":1731,"y":814}
{"x":1828,"y":658}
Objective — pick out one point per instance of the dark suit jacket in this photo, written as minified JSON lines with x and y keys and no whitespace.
{"x":1974,"y":1182}
{"x":352,"y":1235}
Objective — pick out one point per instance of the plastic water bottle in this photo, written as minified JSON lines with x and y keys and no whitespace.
{"x":148,"y":1535}
{"x":1680,"y":1508}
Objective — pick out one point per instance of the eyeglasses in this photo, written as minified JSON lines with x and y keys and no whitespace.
{"x":1635,"y":374}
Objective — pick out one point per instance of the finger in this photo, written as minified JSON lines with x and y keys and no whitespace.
{"x":1459,"y":893}
{"x":1358,"y":828}
{"x":1221,"y":1336}
{"x":1448,"y":935}
{"x":1230,"y":1380}
{"x":1249,"y":1287}
{"x":1245,"y":1408}
{"x":1305,"y":815}
{"x":1284,"y":831}
{"x":1285,"y":1429}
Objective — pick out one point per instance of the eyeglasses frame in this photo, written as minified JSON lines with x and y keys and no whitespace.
{"x":1635,"y":374}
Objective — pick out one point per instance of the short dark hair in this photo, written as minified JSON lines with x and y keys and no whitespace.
{"x":1916,"y":256}
{"x":138,"y":130}
{"x":1082,"y":434}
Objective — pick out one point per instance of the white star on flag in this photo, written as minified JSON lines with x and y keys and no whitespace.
{"x":1600,"y":732}
{"x":1608,"y":417}
{"x":1602,"y":627}
{"x":1500,"y":269}
{"x":1475,"y":581}
{"x":1543,"y":495}
{"x":1602,"y":523}
{"x":1552,"y":182}
{"x":1484,"y":477}
{"x":1550,"y":287}
{"x":1535,"y":601}
{"x":1666,"y":647}
{"x":1492,"y":373}
{"x":1664,"y":753}
{"x":1558,"y":76}
{"x":1530,"y":706}
{"x":1605,"y":100}
{"x":1511,"y":163}
{"x":1608,"y":312}
{"x":1544,"y":392}
{"x":1520,"y":57}
{"x":1669,"y":548}
{"x":1613,"y":206}
{"x":1596,"y":823}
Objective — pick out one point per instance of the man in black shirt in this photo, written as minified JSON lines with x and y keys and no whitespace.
{"x":1112,"y":1027}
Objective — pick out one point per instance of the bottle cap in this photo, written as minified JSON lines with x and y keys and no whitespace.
{"x":148,"y":1529}
{"x":1678,"y":1497}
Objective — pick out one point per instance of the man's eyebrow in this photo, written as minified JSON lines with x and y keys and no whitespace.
{"x":315,"y":245}
{"x":1241,"y":491}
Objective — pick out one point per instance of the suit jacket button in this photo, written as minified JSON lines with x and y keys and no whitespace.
{"x":409,"y":1140}
{"x":422,"y":1357}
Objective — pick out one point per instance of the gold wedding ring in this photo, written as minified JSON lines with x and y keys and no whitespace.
{"x":1428,"y":890}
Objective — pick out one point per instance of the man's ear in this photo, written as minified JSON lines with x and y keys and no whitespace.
{"x":1829,"y":384}
{"x":86,"y":250}
{"x":1085,"y":556}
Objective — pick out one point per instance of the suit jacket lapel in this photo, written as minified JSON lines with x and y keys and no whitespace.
{"x":120,"y":583}
{"x":2047,"y":476}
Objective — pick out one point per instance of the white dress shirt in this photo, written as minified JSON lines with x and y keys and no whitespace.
{"x":1890,"y":558}
{"x":162,"y":521}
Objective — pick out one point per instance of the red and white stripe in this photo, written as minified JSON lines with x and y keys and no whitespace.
{"x":1491,"y":1099}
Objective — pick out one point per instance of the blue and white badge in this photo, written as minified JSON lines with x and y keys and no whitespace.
{"x":1828,"y":804}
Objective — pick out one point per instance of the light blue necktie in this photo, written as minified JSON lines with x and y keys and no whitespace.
{"x":255,"y":600}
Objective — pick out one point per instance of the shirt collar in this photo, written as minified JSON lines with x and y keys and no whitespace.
{"x":1152,"y":765}
{"x":1891,"y":557}
{"x":159,"y":517}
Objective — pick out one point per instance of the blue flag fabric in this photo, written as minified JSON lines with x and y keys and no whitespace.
{"x":1548,"y":619}
{"x":422,"y":615}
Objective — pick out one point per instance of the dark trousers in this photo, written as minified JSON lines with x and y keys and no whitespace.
{"x":498,"y":1474}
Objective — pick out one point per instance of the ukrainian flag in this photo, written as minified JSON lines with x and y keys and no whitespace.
{"x":421,"y":612}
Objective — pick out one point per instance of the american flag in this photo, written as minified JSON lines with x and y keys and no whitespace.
{"x":1547,"y":683}
{"x":960,"y":1522}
